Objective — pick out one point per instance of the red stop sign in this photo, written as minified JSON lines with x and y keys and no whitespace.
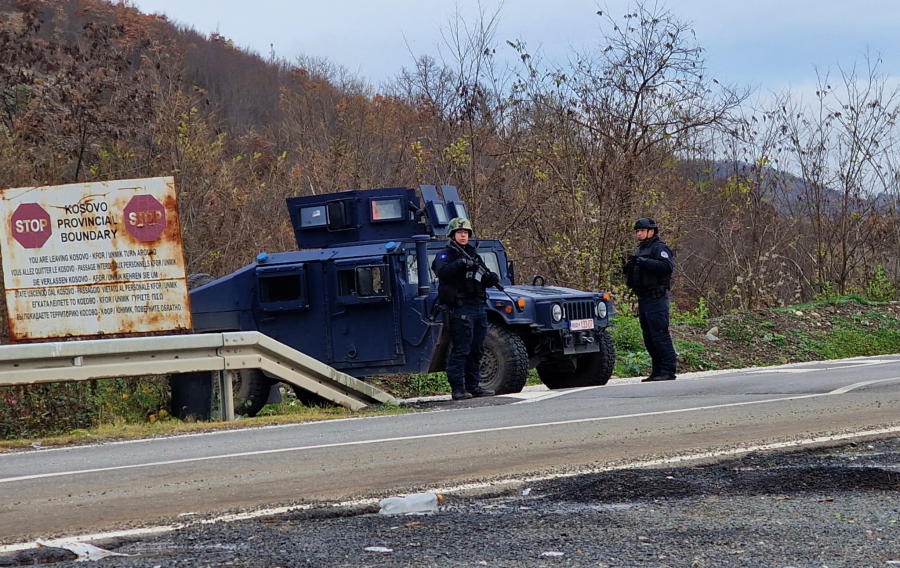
{"x":145,"y":218}
{"x":30,"y":225}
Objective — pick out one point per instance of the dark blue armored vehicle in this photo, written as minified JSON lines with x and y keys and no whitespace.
{"x":360,"y":296}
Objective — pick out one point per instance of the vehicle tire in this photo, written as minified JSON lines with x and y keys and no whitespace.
{"x":591,"y":369}
{"x":197,"y":280}
{"x":504,"y":368}
{"x":192,"y":395}
{"x":250,"y":388}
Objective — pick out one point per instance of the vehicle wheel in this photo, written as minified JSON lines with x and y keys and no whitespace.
{"x":591,"y":369}
{"x":250,"y":388}
{"x":192,"y":395}
{"x":504,"y":367}
{"x":197,"y":280}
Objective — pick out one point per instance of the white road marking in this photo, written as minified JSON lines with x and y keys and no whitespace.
{"x":842,"y":390}
{"x":546,"y":395}
{"x":848,"y":365}
{"x":470,"y":486}
{"x":855,"y":386}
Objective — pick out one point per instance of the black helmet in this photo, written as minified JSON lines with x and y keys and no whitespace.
{"x":645,"y":223}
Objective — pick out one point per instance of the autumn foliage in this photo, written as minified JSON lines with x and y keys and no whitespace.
{"x":766,"y":201}
{"x":764,"y":204}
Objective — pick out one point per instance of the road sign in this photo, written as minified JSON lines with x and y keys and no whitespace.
{"x":93,"y":259}
{"x":30,"y":225}
{"x":145,"y":218}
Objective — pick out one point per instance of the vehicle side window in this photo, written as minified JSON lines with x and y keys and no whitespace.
{"x":279,"y":291}
{"x":372,"y":281}
{"x":412,"y":269}
{"x":347,"y":282}
{"x":362,"y":283}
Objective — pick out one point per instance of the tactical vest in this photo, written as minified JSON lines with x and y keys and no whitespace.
{"x":461,"y":289}
{"x":647,"y":284}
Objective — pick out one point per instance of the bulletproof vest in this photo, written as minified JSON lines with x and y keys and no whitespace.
{"x":648,"y":284}
{"x":462,"y":288}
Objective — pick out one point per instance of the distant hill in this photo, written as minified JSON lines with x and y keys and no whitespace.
{"x":788,"y":192}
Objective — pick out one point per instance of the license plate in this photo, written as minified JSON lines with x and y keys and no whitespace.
{"x":580,"y":325}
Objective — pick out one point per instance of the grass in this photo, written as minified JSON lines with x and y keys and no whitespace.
{"x":289,"y":411}
{"x":850,"y":340}
{"x":414,"y":385}
{"x":271,"y":414}
{"x":692,"y":355}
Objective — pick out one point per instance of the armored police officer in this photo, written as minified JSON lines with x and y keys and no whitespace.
{"x":648,"y":273}
{"x":462,"y":285}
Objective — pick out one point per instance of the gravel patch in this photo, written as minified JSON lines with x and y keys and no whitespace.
{"x":823,"y":507}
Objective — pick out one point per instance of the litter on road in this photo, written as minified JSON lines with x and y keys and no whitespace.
{"x":83,"y":550}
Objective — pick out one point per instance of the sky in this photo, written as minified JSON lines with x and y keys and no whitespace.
{"x":769,"y":44}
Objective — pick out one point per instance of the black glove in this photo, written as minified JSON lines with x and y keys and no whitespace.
{"x":639,"y":260}
{"x":467,"y":262}
{"x":490,"y":279}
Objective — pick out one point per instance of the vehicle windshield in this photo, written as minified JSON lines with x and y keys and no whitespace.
{"x":412,"y":274}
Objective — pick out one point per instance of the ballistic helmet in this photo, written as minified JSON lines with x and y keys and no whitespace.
{"x":459,"y":223}
{"x":645,"y":223}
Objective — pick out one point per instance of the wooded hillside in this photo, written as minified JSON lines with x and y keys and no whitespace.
{"x":764,"y":204}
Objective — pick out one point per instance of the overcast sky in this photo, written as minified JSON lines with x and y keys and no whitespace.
{"x":765,"y":43}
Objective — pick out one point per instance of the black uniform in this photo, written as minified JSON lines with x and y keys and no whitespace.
{"x":463,"y":293}
{"x":648,"y":273}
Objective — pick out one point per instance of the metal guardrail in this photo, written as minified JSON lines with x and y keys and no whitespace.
{"x":66,"y":361}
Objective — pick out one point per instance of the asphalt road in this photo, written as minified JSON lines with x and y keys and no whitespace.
{"x":56,"y":492}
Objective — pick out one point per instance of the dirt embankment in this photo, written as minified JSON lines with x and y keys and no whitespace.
{"x":847,"y":328}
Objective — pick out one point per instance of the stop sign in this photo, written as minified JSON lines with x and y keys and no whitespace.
{"x":30,"y":225}
{"x":145,"y":218}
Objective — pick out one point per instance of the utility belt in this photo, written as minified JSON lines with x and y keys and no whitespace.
{"x":652,"y":292}
{"x":460,"y":302}
{"x":453,"y":298}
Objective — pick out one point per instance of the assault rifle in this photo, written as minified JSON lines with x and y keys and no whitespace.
{"x":481,"y":269}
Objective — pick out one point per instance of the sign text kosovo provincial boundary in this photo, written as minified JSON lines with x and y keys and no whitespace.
{"x":93,"y":259}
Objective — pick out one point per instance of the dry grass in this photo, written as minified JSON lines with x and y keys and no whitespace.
{"x":172,"y":427}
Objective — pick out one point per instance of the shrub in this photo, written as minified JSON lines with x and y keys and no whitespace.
{"x":626,"y":334}
{"x":697,"y":316}
{"x":880,"y":288}
{"x":51,"y":409}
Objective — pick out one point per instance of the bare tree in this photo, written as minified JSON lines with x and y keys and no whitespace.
{"x":842,"y":146}
{"x":615,"y":121}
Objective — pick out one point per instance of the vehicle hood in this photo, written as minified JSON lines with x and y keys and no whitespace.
{"x":539,"y":293}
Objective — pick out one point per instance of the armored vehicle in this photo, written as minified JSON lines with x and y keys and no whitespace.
{"x":360,"y":296}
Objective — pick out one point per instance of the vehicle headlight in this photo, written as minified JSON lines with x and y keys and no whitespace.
{"x":556,"y":312}
{"x":601,"y":309}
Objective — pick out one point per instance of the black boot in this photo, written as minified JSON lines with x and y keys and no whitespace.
{"x":663,"y":377}
{"x":480,"y":391}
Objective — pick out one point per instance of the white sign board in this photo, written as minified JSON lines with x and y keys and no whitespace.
{"x":93,"y":259}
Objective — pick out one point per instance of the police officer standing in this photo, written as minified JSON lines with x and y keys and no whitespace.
{"x":462,"y":290}
{"x":648,"y":273}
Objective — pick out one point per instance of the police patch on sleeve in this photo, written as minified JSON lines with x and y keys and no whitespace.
{"x":443,"y":256}
{"x":664,"y":254}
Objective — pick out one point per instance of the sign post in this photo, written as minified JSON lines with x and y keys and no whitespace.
{"x":93,"y":259}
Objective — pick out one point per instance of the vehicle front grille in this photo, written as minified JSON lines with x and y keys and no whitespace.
{"x":578,"y":309}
